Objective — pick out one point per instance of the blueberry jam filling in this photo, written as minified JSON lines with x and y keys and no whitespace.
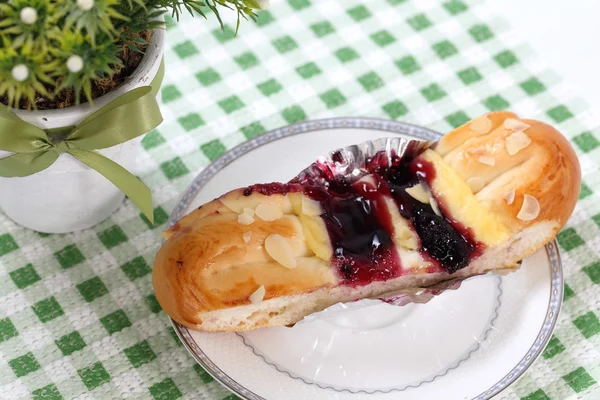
{"x":359,"y":223}
{"x":359,"y":227}
{"x":441,"y":241}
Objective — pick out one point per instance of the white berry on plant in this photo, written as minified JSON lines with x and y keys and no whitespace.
{"x":20,"y":72}
{"x":75,"y":63}
{"x":85,"y":5}
{"x":28,"y":15}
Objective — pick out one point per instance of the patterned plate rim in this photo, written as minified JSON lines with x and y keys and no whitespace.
{"x":557,"y":282}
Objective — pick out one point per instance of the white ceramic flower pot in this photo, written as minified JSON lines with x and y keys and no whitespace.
{"x":69,"y":196}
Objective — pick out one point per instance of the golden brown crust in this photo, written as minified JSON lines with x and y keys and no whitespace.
{"x":547,"y":169}
{"x":206,"y":265}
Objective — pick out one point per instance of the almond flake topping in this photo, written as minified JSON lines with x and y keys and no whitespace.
{"x":530,"y":209}
{"x":310,"y":207}
{"x":247,"y":236}
{"x":268,"y":212}
{"x":259,"y":295}
{"x":487,"y":160}
{"x":280,"y":250}
{"x":245,"y":219}
{"x":509,"y":196}
{"x":481,"y":125}
{"x":515,"y":125}
{"x":419,"y":193}
{"x":517,"y":142}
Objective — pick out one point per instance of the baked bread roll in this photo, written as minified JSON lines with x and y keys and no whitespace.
{"x":489,"y":194}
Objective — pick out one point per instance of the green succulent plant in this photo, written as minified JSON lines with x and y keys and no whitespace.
{"x":31,"y":68}
{"x":11,"y":20}
{"x":48,"y":47}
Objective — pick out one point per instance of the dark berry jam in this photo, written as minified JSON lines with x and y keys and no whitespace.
{"x":426,"y":172}
{"x":441,"y":243}
{"x":273,"y":188}
{"x":360,"y":229}
{"x":359,"y":223}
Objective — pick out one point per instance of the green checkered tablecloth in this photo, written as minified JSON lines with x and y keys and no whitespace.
{"x":78,"y":317}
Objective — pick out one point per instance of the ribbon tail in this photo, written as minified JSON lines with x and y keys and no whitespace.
{"x":25,"y":164}
{"x":129,"y":184}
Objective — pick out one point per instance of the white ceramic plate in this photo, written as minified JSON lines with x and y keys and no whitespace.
{"x":465,"y":344}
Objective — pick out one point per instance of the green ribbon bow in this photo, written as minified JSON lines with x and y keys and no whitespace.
{"x":125,"y":118}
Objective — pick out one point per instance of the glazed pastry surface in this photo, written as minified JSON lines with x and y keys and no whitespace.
{"x":490,"y":193}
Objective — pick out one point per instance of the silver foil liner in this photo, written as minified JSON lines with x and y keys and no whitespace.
{"x":351,"y":164}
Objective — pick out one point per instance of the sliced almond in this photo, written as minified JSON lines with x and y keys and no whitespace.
{"x":231,"y":203}
{"x":530,"y":209}
{"x":247,"y":236}
{"x":268,"y":212}
{"x":487,"y":160}
{"x":249,"y":212}
{"x":515,"y":125}
{"x":280,"y":250}
{"x":517,"y":142}
{"x":509,"y":196}
{"x":475,"y":183}
{"x":435,"y":206}
{"x":419,"y":193}
{"x":481,"y":125}
{"x":310,"y":207}
{"x":259,"y":295}
{"x":245,"y":219}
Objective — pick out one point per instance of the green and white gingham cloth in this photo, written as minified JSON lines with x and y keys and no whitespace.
{"x":78,"y":317}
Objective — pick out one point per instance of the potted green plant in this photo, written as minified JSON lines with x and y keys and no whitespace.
{"x":78,"y":90}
